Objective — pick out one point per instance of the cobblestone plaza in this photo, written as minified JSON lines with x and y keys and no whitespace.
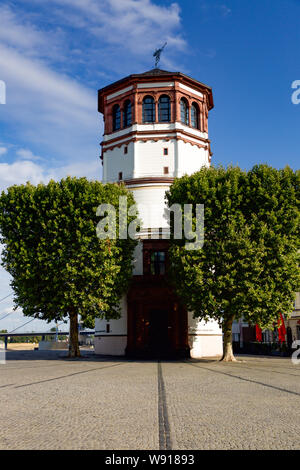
{"x":51,"y":402}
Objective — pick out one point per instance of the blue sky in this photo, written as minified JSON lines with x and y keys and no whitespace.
{"x":55,"y":54}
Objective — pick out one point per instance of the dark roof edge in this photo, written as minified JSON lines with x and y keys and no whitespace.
{"x":148,"y":75}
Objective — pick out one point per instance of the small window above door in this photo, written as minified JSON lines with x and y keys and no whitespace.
{"x":158,"y":263}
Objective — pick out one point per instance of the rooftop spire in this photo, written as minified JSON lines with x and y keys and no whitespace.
{"x":157,"y":54}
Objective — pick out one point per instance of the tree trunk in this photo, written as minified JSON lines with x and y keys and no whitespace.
{"x":74,"y":350}
{"x":227,"y":340}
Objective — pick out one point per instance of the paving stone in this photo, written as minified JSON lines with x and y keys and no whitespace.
{"x":51,"y":402}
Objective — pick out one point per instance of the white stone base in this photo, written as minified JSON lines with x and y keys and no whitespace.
{"x":206,"y":346}
{"x":110,"y":345}
{"x":46,"y":345}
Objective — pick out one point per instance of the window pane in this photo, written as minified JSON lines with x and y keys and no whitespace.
{"x":158,"y":259}
{"x":116,"y":118}
{"x":194,"y":117}
{"x":127,"y":114}
{"x":184,"y":112}
{"x":148,"y":109}
{"x":164,"y":111}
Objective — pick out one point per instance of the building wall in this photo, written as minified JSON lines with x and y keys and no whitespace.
{"x":174,"y":90}
{"x":138,"y":260}
{"x":114,"y":342}
{"x":150,"y":159}
{"x":151,"y":204}
{"x":205,"y":339}
{"x":116,"y":161}
{"x":188,"y":150}
{"x":190,"y":158}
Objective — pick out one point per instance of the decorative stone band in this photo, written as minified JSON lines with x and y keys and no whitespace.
{"x":155,"y":139}
{"x":149,"y":180}
{"x":148,"y":135}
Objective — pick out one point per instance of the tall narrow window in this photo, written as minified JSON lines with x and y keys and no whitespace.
{"x":158,"y":262}
{"x":148,"y":109}
{"x":184,"y":112}
{"x":164,"y":109}
{"x":195,"y":116}
{"x":116,"y":117}
{"x":127,"y":116}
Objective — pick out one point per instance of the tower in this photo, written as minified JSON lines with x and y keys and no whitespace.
{"x":155,"y":129}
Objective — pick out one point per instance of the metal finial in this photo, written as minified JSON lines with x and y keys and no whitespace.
{"x":157,"y":54}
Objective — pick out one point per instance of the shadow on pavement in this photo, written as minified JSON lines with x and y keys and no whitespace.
{"x":88,"y":355}
{"x":61,"y":355}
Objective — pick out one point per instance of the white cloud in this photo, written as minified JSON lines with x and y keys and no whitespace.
{"x":19,"y":31}
{"x":14,"y":33}
{"x":56,"y":88}
{"x":90,"y":169}
{"x":19,"y":172}
{"x":136,"y":25}
{"x":25,"y":154}
{"x":3,"y":151}
{"x":51,"y":110}
{"x":47,"y":107}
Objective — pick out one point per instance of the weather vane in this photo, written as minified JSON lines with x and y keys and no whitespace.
{"x":157,"y":54}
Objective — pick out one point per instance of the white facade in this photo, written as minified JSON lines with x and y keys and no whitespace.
{"x":147,"y":157}
{"x":151,"y":205}
{"x":116,"y":161}
{"x":205,"y":339}
{"x":111,"y":335}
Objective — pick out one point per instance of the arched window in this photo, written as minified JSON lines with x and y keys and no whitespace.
{"x":148,"y":109}
{"x":127,"y":116}
{"x":184,"y":111}
{"x":195,"y":116}
{"x":116,"y":117}
{"x":164,"y":109}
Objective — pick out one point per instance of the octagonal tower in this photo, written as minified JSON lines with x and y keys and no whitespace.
{"x":155,"y":129}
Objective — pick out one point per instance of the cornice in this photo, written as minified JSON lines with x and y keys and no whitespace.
{"x":134,"y":79}
{"x":167,"y":134}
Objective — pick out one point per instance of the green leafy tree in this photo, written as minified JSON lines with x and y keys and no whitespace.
{"x":249,"y":264}
{"x":60,"y":268}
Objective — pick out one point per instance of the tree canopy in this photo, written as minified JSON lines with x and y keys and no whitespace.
{"x":249,"y":264}
{"x":59,"y":267}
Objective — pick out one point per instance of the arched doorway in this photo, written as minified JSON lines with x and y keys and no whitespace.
{"x":157,"y":323}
